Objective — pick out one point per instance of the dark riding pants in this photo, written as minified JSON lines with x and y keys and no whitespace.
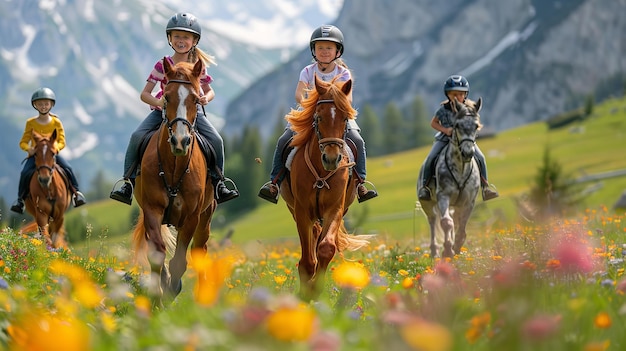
{"x":29,"y":169}
{"x":277,"y":162}
{"x":438,"y":145}
{"x":154,"y":120}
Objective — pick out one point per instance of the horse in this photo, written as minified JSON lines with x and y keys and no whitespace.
{"x":320,"y":187}
{"x":457,"y":181}
{"x":173,"y":186}
{"x":50,"y":196}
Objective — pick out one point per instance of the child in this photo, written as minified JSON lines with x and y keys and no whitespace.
{"x":183,"y":34}
{"x":455,"y":87}
{"x":326,"y":46}
{"x":45,"y":123}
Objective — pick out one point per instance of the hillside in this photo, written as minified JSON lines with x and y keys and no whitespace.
{"x":512,"y":156}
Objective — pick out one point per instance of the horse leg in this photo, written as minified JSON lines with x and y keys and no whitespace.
{"x":156,"y":257}
{"x":447,"y":225}
{"x":432,"y":221}
{"x":43,"y":225}
{"x":178,"y":263}
{"x":460,"y":234}
{"x":308,"y":261}
{"x":326,"y":250}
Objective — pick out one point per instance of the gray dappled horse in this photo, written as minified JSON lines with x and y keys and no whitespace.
{"x":457,"y":181}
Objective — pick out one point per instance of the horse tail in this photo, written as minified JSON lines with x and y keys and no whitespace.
{"x":29,"y":227}
{"x":350,"y":242}
{"x":140,"y":244}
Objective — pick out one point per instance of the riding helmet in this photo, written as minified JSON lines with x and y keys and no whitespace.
{"x":327,"y":33}
{"x":456,"y":82}
{"x":185,"y":22}
{"x":43,"y":93}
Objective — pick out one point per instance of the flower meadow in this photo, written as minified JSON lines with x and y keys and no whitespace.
{"x":556,"y":286}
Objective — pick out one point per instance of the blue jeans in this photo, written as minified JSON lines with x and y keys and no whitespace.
{"x":29,"y":169}
{"x":154,"y":120}
{"x":438,"y":145}
{"x":277,"y":162}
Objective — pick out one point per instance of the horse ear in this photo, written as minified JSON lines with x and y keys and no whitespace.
{"x":198,"y":68}
{"x":54,"y":135}
{"x":167,"y":66}
{"x":319,"y":87}
{"x":347,"y":87}
{"x":478,"y":104}
{"x":36,"y":136}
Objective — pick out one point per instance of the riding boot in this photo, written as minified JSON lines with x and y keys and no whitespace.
{"x":125,"y":193}
{"x":489,"y":193}
{"x":363,"y":193}
{"x":223,"y":194}
{"x":424,"y":193}
{"x":18,"y":206}
{"x":270,"y":191}
{"x":79,"y":199}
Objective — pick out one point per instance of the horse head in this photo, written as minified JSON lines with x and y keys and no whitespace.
{"x":181,"y":95}
{"x":330,"y":120}
{"x":45,"y":157}
{"x":466,"y":126}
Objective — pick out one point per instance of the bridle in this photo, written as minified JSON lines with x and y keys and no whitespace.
{"x":323,"y":142}
{"x":49,"y":168}
{"x":170,"y":124}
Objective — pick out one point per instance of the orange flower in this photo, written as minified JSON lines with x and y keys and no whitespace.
{"x":292,"y":323}
{"x":426,"y":336}
{"x":602,"y":320}
{"x":212,"y":272}
{"x":43,"y":332}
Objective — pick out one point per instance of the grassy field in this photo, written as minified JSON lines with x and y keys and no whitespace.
{"x":513,"y":156}
{"x":516,"y":286}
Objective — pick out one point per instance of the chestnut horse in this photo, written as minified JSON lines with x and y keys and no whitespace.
{"x":49,"y":196}
{"x":173,"y":186}
{"x":320,"y":187}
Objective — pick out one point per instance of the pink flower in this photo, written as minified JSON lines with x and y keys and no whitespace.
{"x":541,"y":327}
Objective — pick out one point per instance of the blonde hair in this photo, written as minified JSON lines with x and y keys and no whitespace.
{"x":196,"y":54}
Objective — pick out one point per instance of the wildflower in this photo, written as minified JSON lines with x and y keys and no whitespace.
{"x":143,"y":306}
{"x":212,"y":272}
{"x":44,"y":332}
{"x":602,"y":320}
{"x":407,"y":283}
{"x":292,"y":323}
{"x":426,"y":336}
{"x":280,"y":279}
{"x":621,"y":287}
{"x":351,"y":275}
{"x":325,"y":341}
{"x":541,"y":327}
{"x":597,"y":346}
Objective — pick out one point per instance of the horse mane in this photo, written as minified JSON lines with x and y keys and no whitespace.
{"x":185,"y":71}
{"x":471,"y":105}
{"x":302,"y":120}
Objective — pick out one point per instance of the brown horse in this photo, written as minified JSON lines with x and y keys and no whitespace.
{"x":320,"y":187}
{"x":173,"y":186}
{"x":49,"y":196}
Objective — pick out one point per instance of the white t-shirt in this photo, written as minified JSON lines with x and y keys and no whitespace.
{"x":307,"y":75}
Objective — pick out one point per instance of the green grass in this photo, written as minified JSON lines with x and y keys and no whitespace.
{"x":513,"y":157}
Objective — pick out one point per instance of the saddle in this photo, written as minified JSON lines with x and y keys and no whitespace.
{"x":207,"y":150}
{"x":288,"y":152}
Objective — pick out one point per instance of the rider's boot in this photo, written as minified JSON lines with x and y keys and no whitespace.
{"x":489,"y":193}
{"x":424,"y":193}
{"x":124,"y":194}
{"x":223,"y":194}
{"x":79,"y":199}
{"x":270,"y":191}
{"x":363,"y":193}
{"x":18,"y":206}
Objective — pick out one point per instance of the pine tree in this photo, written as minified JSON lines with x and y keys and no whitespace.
{"x":371,"y":131}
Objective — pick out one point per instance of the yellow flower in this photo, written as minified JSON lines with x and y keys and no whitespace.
{"x":403,"y":272}
{"x":351,"y":275}
{"x":212,"y":272}
{"x":280,"y":279}
{"x":602,"y":320}
{"x":292,"y":323}
{"x":88,"y":294}
{"x":108,"y":322}
{"x":43,"y":332}
{"x":143,"y":306}
{"x":407,"y":283}
{"x":426,"y":336}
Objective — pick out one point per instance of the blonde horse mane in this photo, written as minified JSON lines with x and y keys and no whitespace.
{"x":302,"y":120}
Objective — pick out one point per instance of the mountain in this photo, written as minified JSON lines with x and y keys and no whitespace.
{"x":528,"y":59}
{"x":96,"y":56}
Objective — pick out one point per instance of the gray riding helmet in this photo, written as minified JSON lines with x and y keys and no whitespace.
{"x":43,"y":93}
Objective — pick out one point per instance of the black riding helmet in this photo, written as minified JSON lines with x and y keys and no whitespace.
{"x":43,"y":93}
{"x":327,"y":33}
{"x":456,"y":82}
{"x":185,"y":22}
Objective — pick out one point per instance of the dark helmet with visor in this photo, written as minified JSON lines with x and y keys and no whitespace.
{"x":185,"y":22}
{"x":43,"y":93}
{"x":456,"y":82}
{"x":327,"y":33}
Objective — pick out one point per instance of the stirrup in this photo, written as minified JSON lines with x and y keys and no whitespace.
{"x":269,"y":198}
{"x":114,"y":195}
{"x":489,"y":186}
{"x":371,"y":193}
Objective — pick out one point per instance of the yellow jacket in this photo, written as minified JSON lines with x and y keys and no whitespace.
{"x":46,"y":129}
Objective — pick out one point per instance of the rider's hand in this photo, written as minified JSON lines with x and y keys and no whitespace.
{"x":449,"y":131}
